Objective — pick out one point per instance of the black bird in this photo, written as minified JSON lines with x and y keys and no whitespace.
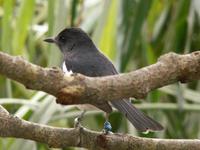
{"x":82,"y":56}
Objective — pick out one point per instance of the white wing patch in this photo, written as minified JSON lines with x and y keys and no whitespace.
{"x":65,"y":70}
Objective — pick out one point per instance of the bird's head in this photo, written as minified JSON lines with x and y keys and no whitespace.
{"x":69,"y":39}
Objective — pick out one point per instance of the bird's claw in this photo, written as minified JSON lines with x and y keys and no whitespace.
{"x":77,"y":120}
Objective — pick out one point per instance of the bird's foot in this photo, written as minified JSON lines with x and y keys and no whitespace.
{"x":107,"y":128}
{"x":77,"y":120}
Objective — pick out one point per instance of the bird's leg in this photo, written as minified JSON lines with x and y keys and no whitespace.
{"x":107,"y":126}
{"x":77,"y":120}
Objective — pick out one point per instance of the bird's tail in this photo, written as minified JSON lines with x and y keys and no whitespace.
{"x":136,"y":117}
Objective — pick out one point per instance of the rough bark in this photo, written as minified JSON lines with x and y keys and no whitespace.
{"x":79,"y":89}
{"x":11,"y":126}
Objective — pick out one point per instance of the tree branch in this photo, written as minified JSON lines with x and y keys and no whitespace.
{"x":79,"y":89}
{"x":11,"y":126}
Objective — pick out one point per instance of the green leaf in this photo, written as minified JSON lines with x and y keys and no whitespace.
{"x":134,"y":31}
{"x":6,"y":25}
{"x":57,"y":22}
{"x":23,"y":23}
{"x":74,"y":5}
{"x":108,"y":37}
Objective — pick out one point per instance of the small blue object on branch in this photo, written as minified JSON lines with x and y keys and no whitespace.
{"x":107,"y":127}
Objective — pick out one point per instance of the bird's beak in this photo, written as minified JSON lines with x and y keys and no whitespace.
{"x":50,"y":40}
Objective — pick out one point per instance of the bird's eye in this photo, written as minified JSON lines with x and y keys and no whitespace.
{"x":62,"y":38}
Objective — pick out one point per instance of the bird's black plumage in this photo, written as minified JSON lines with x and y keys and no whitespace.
{"x":82,"y":56}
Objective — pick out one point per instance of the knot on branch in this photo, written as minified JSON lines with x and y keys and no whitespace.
{"x":168,"y":58}
{"x":193,"y":71}
{"x":70,"y":95}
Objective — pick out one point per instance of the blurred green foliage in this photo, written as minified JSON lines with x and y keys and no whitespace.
{"x":133,"y":33}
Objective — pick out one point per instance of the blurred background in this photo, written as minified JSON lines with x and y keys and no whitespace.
{"x":132,"y":33}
